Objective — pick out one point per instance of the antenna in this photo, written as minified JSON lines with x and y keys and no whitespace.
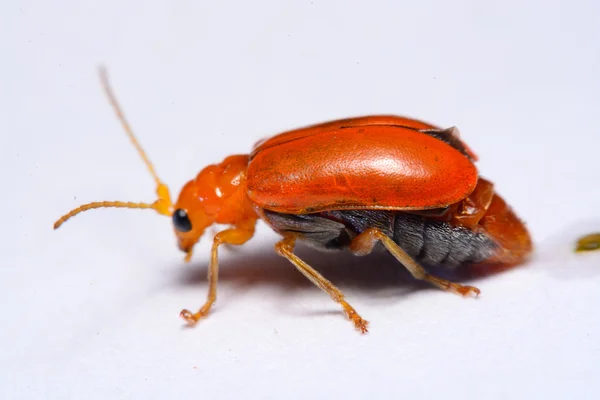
{"x":162,"y":205}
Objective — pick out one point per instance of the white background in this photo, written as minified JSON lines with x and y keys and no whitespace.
{"x":91,"y":310}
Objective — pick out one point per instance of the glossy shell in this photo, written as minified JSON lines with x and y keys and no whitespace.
{"x":367,"y":162}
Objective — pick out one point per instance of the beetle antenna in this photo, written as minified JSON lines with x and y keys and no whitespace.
{"x":100,"y":204}
{"x":115,"y":105}
{"x":162,"y":205}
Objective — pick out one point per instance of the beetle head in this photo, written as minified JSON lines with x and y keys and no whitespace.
{"x":216,"y":195}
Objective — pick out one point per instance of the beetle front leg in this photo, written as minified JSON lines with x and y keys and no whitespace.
{"x":234,"y":236}
{"x":285,"y":248}
{"x":363,"y":244}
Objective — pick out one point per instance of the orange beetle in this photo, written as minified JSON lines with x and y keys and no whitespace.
{"x":347,"y":184}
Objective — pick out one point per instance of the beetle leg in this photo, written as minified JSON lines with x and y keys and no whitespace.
{"x":285,"y":248}
{"x":234,"y":236}
{"x":363,"y":244}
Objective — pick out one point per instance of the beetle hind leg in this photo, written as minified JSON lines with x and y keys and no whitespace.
{"x":365,"y":242}
{"x":285,"y":248}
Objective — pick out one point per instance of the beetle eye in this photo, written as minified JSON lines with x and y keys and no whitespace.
{"x":181,"y":221}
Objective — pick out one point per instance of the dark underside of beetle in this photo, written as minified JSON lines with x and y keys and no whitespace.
{"x":427,"y":241}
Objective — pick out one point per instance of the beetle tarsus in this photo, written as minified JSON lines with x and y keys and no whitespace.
{"x":451,"y":286}
{"x":468,"y":291}
{"x":190,"y":318}
{"x":359,"y":323}
{"x":193,"y":318}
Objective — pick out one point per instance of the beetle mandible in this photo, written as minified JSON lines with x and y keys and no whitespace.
{"x":351,"y":184}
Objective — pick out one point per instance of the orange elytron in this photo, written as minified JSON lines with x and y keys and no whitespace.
{"x":347,"y":184}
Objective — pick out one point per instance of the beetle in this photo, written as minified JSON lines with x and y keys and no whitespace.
{"x":359,"y":184}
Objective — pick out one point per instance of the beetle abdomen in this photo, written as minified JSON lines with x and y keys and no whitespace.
{"x":426,"y":240}
{"x":503,"y":226}
{"x":432,"y":242}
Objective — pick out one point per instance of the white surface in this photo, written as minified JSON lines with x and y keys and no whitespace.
{"x":91,"y":310}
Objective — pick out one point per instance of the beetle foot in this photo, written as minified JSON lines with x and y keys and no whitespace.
{"x":451,"y":286}
{"x":192,"y":318}
{"x":359,"y":323}
{"x":465,"y":290}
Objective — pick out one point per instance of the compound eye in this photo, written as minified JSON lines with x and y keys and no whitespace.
{"x":181,"y":221}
